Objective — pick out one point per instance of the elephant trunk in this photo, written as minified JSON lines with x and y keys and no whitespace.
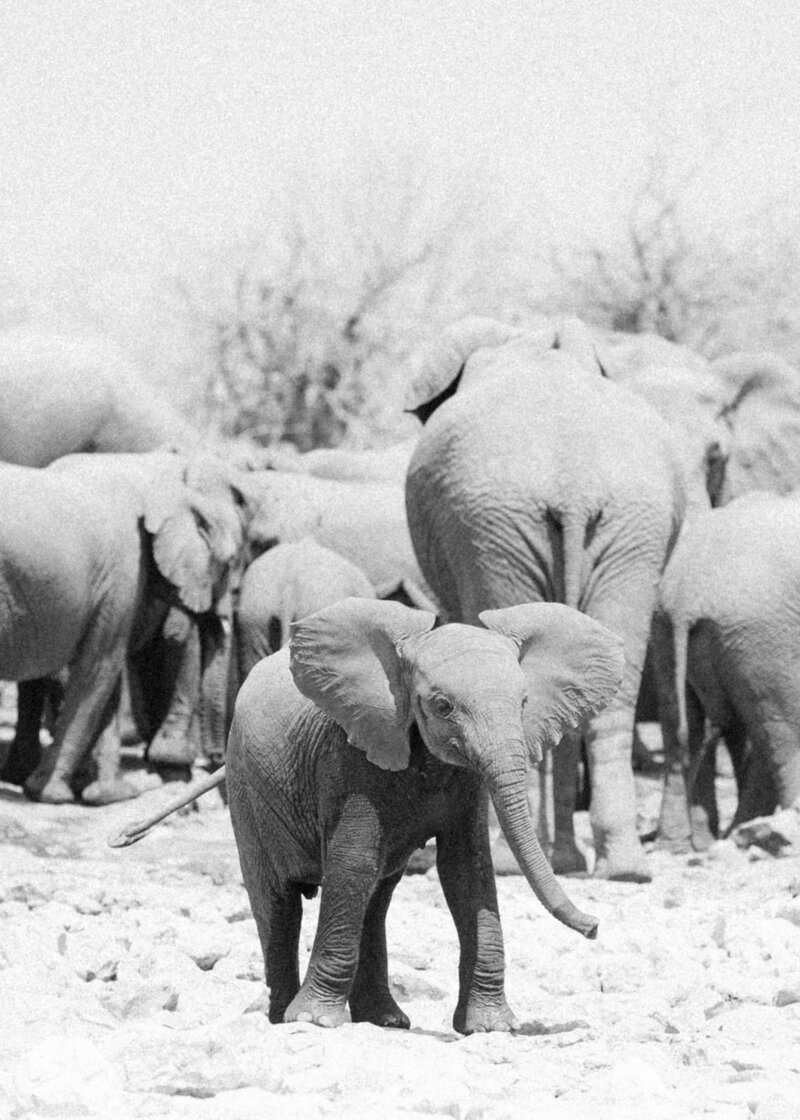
{"x":508,"y":792}
{"x":215,"y":701}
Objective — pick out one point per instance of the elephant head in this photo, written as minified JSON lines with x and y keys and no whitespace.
{"x":283,"y":507}
{"x":195,"y":516}
{"x":196,"y":512}
{"x":762,"y":411}
{"x":487,"y":699}
{"x":693,"y":405}
{"x":466,"y":354}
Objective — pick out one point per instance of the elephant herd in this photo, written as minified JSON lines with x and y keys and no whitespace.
{"x":455,"y":608}
{"x":128,"y":544}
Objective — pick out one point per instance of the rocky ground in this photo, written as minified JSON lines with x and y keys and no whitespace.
{"x":131,"y":985}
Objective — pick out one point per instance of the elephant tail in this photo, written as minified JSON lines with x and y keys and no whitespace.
{"x":573,"y":535}
{"x":136,"y":830}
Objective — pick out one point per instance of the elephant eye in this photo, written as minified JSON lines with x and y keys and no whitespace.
{"x":442,"y":706}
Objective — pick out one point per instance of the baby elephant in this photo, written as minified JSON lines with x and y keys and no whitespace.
{"x":725,"y":649}
{"x":288,"y":582}
{"x":380,"y":733}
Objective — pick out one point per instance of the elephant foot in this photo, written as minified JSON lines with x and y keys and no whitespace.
{"x":106,"y":793}
{"x":55,"y":791}
{"x":674,"y":845}
{"x":173,"y":774}
{"x":567,"y":859}
{"x":170,"y":750}
{"x":702,"y":839}
{"x":23,"y":759}
{"x":16,"y":772}
{"x":305,"y":1009}
{"x":704,"y":830}
{"x":380,"y":1010}
{"x":478,"y":1018}
{"x":632,"y":869}
{"x":377,"y":1005}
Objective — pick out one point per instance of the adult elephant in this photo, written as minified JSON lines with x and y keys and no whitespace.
{"x":365,"y":522}
{"x":725,"y":646}
{"x":739,"y":414}
{"x":762,"y":411}
{"x":96,"y":549}
{"x":63,"y":395}
{"x":538,"y":479}
{"x":284,"y":584}
{"x":694,"y":404}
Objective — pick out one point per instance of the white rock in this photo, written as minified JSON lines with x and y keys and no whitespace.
{"x":256,"y":1104}
{"x":787,"y":909}
{"x":205,"y":1062}
{"x":634,"y":1077}
{"x":788,"y":991}
{"x":140,"y":1001}
{"x":58,"y":916}
{"x":777,"y":1106}
{"x":244,"y":962}
{"x":204,"y":944}
{"x":96,"y":950}
{"x":66,"y":1077}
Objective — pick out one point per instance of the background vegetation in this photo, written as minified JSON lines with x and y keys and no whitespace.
{"x":307,"y":332}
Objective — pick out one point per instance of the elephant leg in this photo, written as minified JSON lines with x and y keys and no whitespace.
{"x":782,"y":759}
{"x":346,"y":893}
{"x":674,"y":823}
{"x":625,"y":607}
{"x":772,"y":772}
{"x":280,"y":938}
{"x":739,"y":750}
{"x":349,"y":880}
{"x":109,"y":785}
{"x":618,"y":851}
{"x":25,"y":752}
{"x":218,"y":683}
{"x":566,"y":858}
{"x":277,"y":907}
{"x":465,"y":870}
{"x":89,"y":705}
{"x":702,"y":779}
{"x":758,"y":796}
{"x":371,"y":1000}
{"x":173,"y":745}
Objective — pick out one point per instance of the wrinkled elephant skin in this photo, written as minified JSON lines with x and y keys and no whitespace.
{"x":381,"y":732}
{"x":96,"y":550}
{"x":537,"y":479}
{"x":725,"y":652}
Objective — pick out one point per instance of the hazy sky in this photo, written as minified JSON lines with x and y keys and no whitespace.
{"x":134,"y":133}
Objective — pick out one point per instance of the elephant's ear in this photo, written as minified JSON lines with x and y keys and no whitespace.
{"x":572,"y":664}
{"x":347,"y":658}
{"x":191,"y":548}
{"x":438,"y":367}
{"x":183,"y":559}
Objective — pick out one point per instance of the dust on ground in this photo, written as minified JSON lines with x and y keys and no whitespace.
{"x":131,"y":985}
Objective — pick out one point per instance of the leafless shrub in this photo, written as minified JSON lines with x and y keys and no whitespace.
{"x":305,"y":331}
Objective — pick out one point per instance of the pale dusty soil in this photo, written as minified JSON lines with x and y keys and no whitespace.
{"x":131,"y":985}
